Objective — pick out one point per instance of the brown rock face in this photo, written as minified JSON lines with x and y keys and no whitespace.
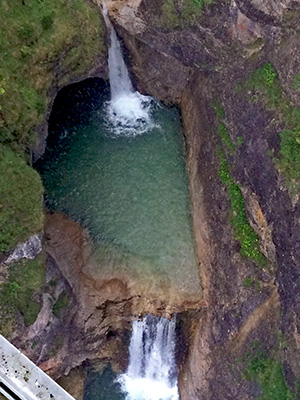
{"x":202,"y":61}
{"x":94,"y":322}
{"x":195,"y":66}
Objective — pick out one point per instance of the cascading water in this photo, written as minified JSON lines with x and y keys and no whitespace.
{"x":128,"y":111}
{"x":151,"y":374}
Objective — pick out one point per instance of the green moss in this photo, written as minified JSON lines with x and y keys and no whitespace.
{"x":240,"y":140}
{"x":290,"y":153}
{"x":21,"y":207}
{"x":18,"y":293}
{"x":222,"y":130}
{"x":296,"y":83}
{"x":252,"y":282}
{"x":57,"y":345}
{"x":264,"y":81}
{"x":36,"y":38}
{"x":191,"y":10}
{"x":170,"y":17}
{"x":248,"y":282}
{"x":61,"y":304}
{"x":269,"y":375}
{"x":262,"y":77}
{"x":241,"y":229}
{"x":220,"y":113}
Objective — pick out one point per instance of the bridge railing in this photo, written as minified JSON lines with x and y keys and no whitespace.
{"x":21,"y":379}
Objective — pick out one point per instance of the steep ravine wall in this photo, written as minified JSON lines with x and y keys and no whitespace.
{"x":248,"y":330}
{"x":246,"y":342}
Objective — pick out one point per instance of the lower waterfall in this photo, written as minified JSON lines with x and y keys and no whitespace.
{"x":152,"y":372}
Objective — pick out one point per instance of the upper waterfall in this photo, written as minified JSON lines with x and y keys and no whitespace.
{"x":120,"y":83}
{"x":128,"y":111}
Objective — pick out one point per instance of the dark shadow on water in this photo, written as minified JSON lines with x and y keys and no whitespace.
{"x":74,"y":105}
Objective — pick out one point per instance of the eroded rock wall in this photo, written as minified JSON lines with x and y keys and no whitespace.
{"x":204,"y":67}
{"x":201,"y":63}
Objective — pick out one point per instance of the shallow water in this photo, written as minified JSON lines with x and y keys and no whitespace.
{"x":130,"y":192}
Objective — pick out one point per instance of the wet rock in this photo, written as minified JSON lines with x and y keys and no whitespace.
{"x":29,"y":249}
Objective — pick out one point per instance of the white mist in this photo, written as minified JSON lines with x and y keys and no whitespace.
{"x":128,"y":111}
{"x":152,"y":372}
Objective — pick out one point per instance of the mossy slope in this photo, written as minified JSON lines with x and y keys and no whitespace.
{"x":20,"y":294}
{"x":42,"y":43}
{"x":21,"y":207}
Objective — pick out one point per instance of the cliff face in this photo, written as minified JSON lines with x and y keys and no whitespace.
{"x":233,"y":68}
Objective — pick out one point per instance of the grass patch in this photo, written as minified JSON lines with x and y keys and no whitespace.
{"x":268,"y":373}
{"x":264,"y":81}
{"x":242,"y":231}
{"x":240,"y":140}
{"x":21,"y":207}
{"x":296,"y":82}
{"x":290,"y":153}
{"x":41,"y":40}
{"x":222,"y":130}
{"x":252,"y":282}
{"x":220,"y":113}
{"x":248,"y":282}
{"x":18,"y":293}
{"x":61,"y":304}
{"x":223,"y":133}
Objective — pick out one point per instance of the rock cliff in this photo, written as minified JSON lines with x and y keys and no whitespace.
{"x":232,"y":68}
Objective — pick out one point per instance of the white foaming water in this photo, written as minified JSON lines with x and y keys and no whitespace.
{"x":128,"y":112}
{"x":151,"y":373}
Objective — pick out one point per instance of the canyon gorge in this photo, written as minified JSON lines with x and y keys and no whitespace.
{"x":229,"y":72}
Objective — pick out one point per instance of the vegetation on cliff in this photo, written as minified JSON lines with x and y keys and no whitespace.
{"x":267,"y":372}
{"x":242,"y":231}
{"x":42,"y":43}
{"x":20,"y":294}
{"x":265,"y":85}
{"x":21,"y":207}
{"x":188,"y":12}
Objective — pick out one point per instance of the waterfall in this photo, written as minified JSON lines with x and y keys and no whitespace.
{"x":128,"y":112}
{"x":151,"y":373}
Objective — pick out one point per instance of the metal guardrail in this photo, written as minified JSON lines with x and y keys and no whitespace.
{"x":21,"y":379}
